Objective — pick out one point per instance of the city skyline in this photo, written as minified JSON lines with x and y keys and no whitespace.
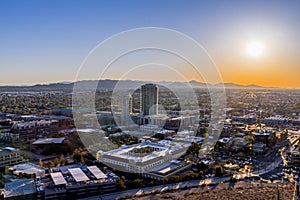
{"x":250,"y":42}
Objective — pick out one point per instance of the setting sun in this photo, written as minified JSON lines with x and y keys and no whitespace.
{"x":255,"y":49}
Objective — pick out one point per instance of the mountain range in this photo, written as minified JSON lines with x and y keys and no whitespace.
{"x":108,"y":85}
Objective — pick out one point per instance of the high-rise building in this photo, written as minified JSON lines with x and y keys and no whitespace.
{"x":126,"y":109}
{"x":149,"y":99}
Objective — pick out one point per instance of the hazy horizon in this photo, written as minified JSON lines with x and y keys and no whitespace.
{"x":69,"y":82}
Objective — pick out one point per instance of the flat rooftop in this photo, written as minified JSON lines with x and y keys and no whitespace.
{"x":10,"y":148}
{"x":78,"y":175}
{"x":97,"y":172}
{"x":159,"y":150}
{"x":58,"y":178}
{"x":49,"y":141}
{"x":167,"y":169}
{"x":7,"y":150}
{"x":28,"y":168}
{"x":19,"y":187}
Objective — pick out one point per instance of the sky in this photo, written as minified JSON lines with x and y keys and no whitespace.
{"x":47,"y":41}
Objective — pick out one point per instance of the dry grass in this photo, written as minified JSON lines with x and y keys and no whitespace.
{"x":241,"y":191}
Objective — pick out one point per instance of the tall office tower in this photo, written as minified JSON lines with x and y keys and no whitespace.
{"x":149,"y":99}
{"x":126,"y":109}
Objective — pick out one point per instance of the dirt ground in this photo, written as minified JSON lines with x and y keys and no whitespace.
{"x":226,"y":191}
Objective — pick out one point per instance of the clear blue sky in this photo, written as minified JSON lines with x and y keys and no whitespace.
{"x":46,"y":41}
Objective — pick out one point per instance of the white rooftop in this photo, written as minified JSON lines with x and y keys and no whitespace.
{"x":97,"y":172}
{"x":87,"y":130}
{"x":10,"y":148}
{"x":160,"y":150}
{"x":164,"y":131}
{"x":78,"y":175}
{"x":58,"y":178}
{"x":28,"y":168}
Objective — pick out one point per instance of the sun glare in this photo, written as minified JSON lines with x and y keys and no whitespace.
{"x":255,"y":49}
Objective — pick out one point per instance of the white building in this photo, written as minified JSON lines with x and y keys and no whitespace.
{"x":144,"y":157}
{"x":28,"y":169}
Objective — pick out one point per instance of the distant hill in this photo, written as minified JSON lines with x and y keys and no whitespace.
{"x":59,"y":87}
{"x":234,"y":85}
{"x":108,"y":85}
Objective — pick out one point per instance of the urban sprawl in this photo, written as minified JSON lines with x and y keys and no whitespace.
{"x":148,"y":144}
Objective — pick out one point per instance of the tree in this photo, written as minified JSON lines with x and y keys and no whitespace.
{"x":296,"y":161}
{"x":200,"y":173}
{"x":77,"y":155}
{"x":232,"y":179}
{"x":201,"y":166}
{"x":191,"y":176}
{"x":175,"y":178}
{"x":82,"y":160}
{"x":166,"y":180}
{"x":138,"y":181}
{"x":249,"y":138}
{"x":249,"y":168}
{"x":205,"y":135}
{"x":121,"y":184}
{"x":151,"y":182}
{"x":56,"y":161}
{"x":49,"y":164}
{"x":40,"y":163}
{"x":62,"y":159}
{"x":193,"y":149}
{"x":219,"y":170}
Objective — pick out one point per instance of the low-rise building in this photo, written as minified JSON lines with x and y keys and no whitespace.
{"x":6,"y":134}
{"x":259,"y":148}
{"x":295,"y":154}
{"x":167,"y":170}
{"x":27,"y":170}
{"x":28,"y":130}
{"x":46,"y":141}
{"x":10,"y":156}
{"x":163,"y":134}
{"x":239,"y":144}
{"x":249,"y":119}
{"x":73,"y":182}
{"x":265,"y":136}
{"x":296,"y":122}
{"x":142,"y":158}
{"x":19,"y":189}
{"x":225,"y":143}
